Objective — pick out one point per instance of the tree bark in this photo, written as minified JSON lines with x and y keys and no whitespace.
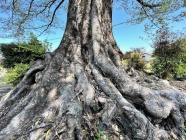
{"x":81,"y":91}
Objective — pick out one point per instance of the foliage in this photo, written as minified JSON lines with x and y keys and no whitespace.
{"x":180,"y":71}
{"x":24,"y":52}
{"x":134,"y":59}
{"x":184,"y":132}
{"x":183,"y":135}
{"x":148,"y":67}
{"x":21,"y":16}
{"x":99,"y":135}
{"x":15,"y":73}
{"x":18,"y":56}
{"x":169,"y":55}
{"x":161,"y":69}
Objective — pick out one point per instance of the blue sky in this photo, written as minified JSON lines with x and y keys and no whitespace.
{"x":127,"y":35}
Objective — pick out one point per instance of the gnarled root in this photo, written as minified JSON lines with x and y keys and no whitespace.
{"x":79,"y":103}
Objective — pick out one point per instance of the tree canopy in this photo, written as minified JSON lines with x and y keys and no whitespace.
{"x":20,"y":16}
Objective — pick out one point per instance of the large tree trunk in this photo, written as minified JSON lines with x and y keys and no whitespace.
{"x":82,"y":92}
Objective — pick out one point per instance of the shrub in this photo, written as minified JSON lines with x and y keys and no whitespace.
{"x":180,"y":71}
{"x":16,"y":73}
{"x":20,"y":53}
{"x":134,"y":59}
{"x":160,"y":69}
{"x":169,"y":55}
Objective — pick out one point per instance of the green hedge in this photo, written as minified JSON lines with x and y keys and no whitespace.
{"x":20,"y":53}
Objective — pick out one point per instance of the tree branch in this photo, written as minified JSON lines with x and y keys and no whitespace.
{"x":27,"y":15}
{"x":150,"y":18}
{"x":145,"y":4}
{"x":48,"y":5}
{"x":54,"y":13}
{"x":13,"y":3}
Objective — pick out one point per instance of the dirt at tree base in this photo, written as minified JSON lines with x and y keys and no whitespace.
{"x":181,"y":85}
{"x":153,"y":82}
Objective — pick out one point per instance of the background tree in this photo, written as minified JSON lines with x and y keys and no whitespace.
{"x":169,"y":53}
{"x":81,"y":88}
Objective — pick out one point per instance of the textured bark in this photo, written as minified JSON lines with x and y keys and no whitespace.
{"x":81,"y":90}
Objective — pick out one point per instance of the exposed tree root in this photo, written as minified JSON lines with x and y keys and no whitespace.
{"x":85,"y":102}
{"x":81,"y":90}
